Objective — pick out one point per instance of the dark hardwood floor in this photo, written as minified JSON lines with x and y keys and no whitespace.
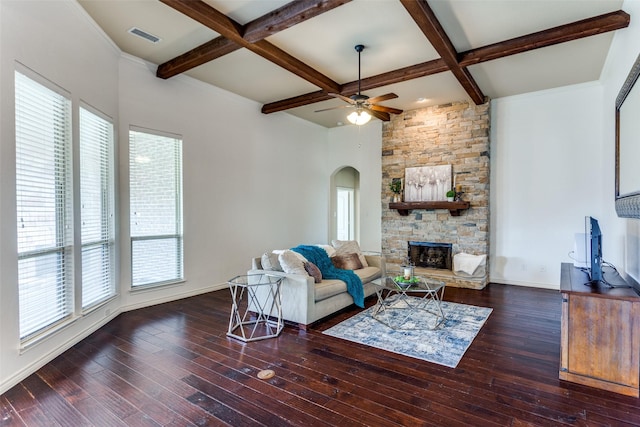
{"x":172,"y":365}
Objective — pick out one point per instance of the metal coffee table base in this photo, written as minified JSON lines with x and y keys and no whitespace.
{"x":394,"y":301}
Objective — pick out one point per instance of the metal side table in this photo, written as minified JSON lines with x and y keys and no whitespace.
{"x":256,"y":307}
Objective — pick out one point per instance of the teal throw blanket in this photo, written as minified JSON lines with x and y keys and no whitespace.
{"x":319,"y":257}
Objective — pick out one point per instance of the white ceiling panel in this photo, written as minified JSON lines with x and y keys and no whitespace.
{"x":574,"y":62}
{"x":471,"y":23}
{"x":246,"y":74}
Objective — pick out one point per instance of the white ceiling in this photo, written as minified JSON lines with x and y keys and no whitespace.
{"x":392,"y":40}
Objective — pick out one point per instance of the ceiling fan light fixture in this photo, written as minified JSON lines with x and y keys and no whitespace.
{"x":359,"y":117}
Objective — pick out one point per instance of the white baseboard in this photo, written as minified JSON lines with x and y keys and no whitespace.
{"x":527,"y":284}
{"x":173,"y":297}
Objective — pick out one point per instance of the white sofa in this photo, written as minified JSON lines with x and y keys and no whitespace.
{"x":305,"y":302}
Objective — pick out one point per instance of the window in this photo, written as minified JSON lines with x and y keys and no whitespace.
{"x":345,"y":213}
{"x":97,"y":208}
{"x":44,"y":205}
{"x":155,"y":168}
{"x":345,"y":185}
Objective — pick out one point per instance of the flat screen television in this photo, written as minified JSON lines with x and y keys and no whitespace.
{"x":593,"y":247}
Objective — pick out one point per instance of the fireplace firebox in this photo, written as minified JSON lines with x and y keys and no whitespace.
{"x":430,"y":255}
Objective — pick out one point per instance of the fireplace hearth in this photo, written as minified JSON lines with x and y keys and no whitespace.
{"x":430,"y":255}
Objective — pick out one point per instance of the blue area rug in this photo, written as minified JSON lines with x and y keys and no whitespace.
{"x":444,"y":345}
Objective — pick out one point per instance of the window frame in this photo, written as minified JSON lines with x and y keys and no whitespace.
{"x":63,"y":248}
{"x":108,"y":235}
{"x":179,"y":223}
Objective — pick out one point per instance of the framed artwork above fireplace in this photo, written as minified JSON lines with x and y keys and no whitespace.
{"x":427,"y":183}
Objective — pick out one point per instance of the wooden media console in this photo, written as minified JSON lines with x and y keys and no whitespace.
{"x":600,"y":333}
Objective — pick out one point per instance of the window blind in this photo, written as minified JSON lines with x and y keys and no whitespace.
{"x":155,"y":168}
{"x":97,"y":208}
{"x":44,"y":205}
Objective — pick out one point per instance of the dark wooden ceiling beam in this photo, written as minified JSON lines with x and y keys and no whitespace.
{"x":231,"y":30}
{"x":401,"y":75}
{"x":202,"y":54}
{"x":432,"y":29}
{"x":296,"y":101}
{"x":561,"y":34}
{"x":287,"y":16}
{"x":411,"y":72}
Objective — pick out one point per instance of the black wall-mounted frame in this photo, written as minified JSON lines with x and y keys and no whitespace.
{"x":627,"y":204}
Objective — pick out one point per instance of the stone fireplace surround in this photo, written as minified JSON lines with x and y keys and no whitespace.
{"x":456,"y":134}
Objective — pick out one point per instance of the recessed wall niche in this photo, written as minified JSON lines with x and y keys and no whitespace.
{"x":455,"y":134}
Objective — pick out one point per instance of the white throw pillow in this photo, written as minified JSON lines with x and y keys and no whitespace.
{"x":291,"y":263}
{"x":281,"y":251}
{"x":330,"y":250}
{"x":345,"y":247}
{"x":270,"y":261}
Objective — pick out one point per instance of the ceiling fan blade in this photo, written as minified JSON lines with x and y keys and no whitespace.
{"x":333,"y":108}
{"x":381,"y":98}
{"x":378,"y":114}
{"x":344,"y":98}
{"x":384,"y":109}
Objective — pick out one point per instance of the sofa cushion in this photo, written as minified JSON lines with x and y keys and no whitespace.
{"x":344,"y":247}
{"x":328,"y":288}
{"x":313,"y":271}
{"x":291,"y":263}
{"x":347,"y":261}
{"x":368,"y":274}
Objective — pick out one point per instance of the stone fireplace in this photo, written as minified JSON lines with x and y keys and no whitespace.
{"x":430,"y":255}
{"x":455,"y":134}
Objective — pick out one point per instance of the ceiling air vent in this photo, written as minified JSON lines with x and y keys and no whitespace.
{"x":141,"y":33}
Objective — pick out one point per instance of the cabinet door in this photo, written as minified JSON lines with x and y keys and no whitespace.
{"x":603,"y":339}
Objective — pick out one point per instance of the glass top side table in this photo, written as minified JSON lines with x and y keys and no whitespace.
{"x":256,"y":307}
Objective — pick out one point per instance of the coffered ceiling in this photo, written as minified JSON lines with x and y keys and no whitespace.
{"x":287,"y":55}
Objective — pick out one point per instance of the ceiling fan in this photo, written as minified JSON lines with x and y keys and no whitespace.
{"x":365,"y":106}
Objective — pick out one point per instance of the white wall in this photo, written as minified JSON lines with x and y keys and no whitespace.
{"x":361,"y":148}
{"x":547,"y":174}
{"x":553,"y":162}
{"x":58,"y":41}
{"x":623,"y":233}
{"x":252,"y":182}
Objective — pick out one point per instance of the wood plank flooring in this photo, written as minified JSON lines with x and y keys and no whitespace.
{"x":172,"y":365}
